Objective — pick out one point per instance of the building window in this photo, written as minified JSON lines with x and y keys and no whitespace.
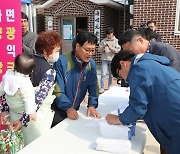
{"x":177,"y":20}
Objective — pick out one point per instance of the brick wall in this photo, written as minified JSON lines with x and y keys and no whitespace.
{"x":163,"y":12}
{"x":85,"y":8}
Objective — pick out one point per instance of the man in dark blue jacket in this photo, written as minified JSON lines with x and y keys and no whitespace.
{"x":133,"y":41}
{"x":152,"y":25}
{"x":154,"y":96}
{"x":76,"y":74}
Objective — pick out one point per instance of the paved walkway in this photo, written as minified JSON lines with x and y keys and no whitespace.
{"x":151,"y":146}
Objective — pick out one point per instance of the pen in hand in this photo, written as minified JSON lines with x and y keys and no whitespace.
{"x":119,"y":111}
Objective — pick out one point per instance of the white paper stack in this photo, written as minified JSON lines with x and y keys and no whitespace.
{"x":116,"y":146}
{"x":114,"y":131}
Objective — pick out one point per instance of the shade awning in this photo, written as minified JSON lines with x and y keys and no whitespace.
{"x":26,"y":1}
{"x":127,"y":2}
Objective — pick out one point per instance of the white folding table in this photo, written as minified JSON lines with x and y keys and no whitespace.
{"x":75,"y":137}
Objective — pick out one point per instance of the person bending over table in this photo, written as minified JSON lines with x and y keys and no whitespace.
{"x":76,"y":74}
{"x":154,"y":96}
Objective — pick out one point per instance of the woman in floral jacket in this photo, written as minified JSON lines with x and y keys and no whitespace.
{"x":43,"y":78}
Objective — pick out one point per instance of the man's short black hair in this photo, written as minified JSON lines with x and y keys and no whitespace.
{"x":24,"y":63}
{"x":85,"y":36}
{"x":24,"y":16}
{"x":128,"y":36}
{"x":115,"y":63}
{"x":147,"y":33}
{"x":109,"y":30}
{"x":150,"y":22}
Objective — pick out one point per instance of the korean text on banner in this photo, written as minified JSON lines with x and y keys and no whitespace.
{"x":10,"y":33}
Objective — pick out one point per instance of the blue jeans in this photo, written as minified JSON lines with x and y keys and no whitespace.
{"x":106,"y":65}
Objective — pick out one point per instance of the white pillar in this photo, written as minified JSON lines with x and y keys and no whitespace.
{"x":30,"y":18}
{"x":34,"y":19}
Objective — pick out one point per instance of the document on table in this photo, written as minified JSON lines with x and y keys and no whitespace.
{"x":94,"y":123}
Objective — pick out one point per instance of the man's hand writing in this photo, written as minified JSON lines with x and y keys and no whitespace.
{"x":112,"y":119}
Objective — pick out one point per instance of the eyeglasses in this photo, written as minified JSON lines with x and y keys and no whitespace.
{"x":118,"y":76}
{"x":89,"y":50}
{"x":117,"y":73}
